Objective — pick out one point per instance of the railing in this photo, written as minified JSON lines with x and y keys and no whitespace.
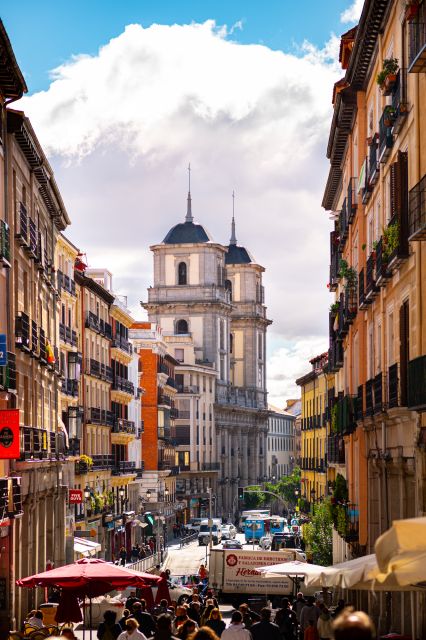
{"x":22,"y":331}
{"x":102,"y":461}
{"x":99,"y":416}
{"x":399,"y":100}
{"x":40,"y":444}
{"x":378,"y":393}
{"x":43,"y":350}
{"x":370,"y":279}
{"x":343,"y":224}
{"x":93,"y":367}
{"x":70,"y":387}
{"x":373,"y":161}
{"x":382,"y":272}
{"x":123,"y":467}
{"x":335,"y":355}
{"x":121,"y":343}
{"x":8,"y":373}
{"x":67,"y":335}
{"x":34,"y":338}
{"x":393,"y":386}
{"x":417,"y":383}
{"x":385,"y":136}
{"x":92,"y":322}
{"x":66,"y":283}
{"x":417,"y":44}
{"x":122,"y":384}
{"x":362,"y":301}
{"x":162,"y":368}
{"x":346,"y":422}
{"x":192,"y":389}
{"x":334,"y":269}
{"x":210,"y":466}
{"x":417,"y":211}
{"x":351,"y":198}
{"x":10,"y":498}
{"x":359,"y":407}
{"x":400,"y":251}
{"x":121,"y":425}
{"x":369,"y":405}
{"x":4,"y":243}
{"x":21,"y":231}
{"x":165,"y":400}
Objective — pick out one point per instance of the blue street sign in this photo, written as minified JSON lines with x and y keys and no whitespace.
{"x":3,"y":350}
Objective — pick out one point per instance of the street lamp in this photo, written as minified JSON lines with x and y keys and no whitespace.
{"x":87,"y":492}
{"x":148,"y":494}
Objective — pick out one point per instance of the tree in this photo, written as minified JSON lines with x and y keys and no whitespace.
{"x":253,"y":497}
{"x":286,"y":486}
{"x":318,"y":534}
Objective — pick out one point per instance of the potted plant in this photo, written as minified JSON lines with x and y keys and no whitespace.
{"x":373,"y":253}
{"x":334,"y":308}
{"x":390,"y":239}
{"x":86,"y":461}
{"x":386,"y":78}
{"x":411,"y":9}
{"x":389,"y":115}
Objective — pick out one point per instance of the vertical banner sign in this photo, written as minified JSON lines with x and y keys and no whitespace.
{"x":9,"y":434}
{"x":75,"y":496}
{"x":3,"y":350}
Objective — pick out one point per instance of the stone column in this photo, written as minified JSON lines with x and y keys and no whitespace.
{"x":245,"y":461}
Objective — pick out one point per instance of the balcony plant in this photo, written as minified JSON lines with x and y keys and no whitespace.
{"x":386,"y":78}
{"x":389,"y":115}
{"x":86,"y":460}
{"x":334,"y":308}
{"x":390,"y":239}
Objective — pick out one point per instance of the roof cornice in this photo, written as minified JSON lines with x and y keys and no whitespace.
{"x":12,"y":83}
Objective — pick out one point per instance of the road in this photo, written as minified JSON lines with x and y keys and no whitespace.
{"x":186,"y":561}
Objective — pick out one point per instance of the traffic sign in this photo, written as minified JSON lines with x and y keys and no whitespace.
{"x":3,"y":350}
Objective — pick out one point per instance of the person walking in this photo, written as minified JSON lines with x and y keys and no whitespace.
{"x":215,"y":622}
{"x":145,"y":619}
{"x":236,"y":630}
{"x":164,"y":628}
{"x":109,"y":629}
{"x":286,"y":620}
{"x":298,"y":605}
{"x":353,"y":625}
{"x":309,"y":613}
{"x":265,"y":628}
{"x":324,"y":625}
{"x":123,"y":556}
{"x":131,"y":632}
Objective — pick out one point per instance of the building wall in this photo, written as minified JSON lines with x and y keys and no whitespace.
{"x":280,"y":444}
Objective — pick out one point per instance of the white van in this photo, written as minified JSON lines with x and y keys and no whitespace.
{"x":204,"y":533}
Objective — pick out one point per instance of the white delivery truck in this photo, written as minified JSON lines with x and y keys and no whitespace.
{"x":233,"y":575}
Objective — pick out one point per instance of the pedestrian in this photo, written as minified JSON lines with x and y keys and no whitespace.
{"x":157,"y":570}
{"x":164,"y":628}
{"x":215,"y":622}
{"x":204,"y":633}
{"x":131,"y":600}
{"x":142,"y":552}
{"x":353,"y":625}
{"x":324,"y":625}
{"x":109,"y":629}
{"x":194,"y":612}
{"x":286,"y":620}
{"x":309,"y":613}
{"x":236,"y":630}
{"x":203,"y":573}
{"x":145,"y":619}
{"x":298,"y":605}
{"x":135,"y":553}
{"x":265,"y":628}
{"x":340,"y":606}
{"x":249,"y":616}
{"x":208,"y":608}
{"x":123,"y":556}
{"x":125,"y":616}
{"x":186,"y":629}
{"x":180,"y":617}
{"x":36,"y":619}
{"x":151,"y":544}
{"x":131,"y":631}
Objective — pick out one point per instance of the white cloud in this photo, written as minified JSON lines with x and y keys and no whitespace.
{"x":121,"y":126}
{"x":352,"y":13}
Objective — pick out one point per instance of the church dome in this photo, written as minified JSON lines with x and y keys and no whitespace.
{"x":187,"y":233}
{"x":237,"y":255}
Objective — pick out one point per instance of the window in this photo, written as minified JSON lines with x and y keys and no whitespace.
{"x":182,"y":278}
{"x":228,"y":287}
{"x":231,"y":343}
{"x":391,"y":352}
{"x":181,"y":327}
{"x":179,"y":354}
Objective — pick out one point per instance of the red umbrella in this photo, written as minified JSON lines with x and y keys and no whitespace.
{"x":69,"y":608}
{"x":89,"y":577}
{"x":146,"y":594}
{"x":163,"y":592}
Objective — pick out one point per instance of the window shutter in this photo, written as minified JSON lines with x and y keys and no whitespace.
{"x":392,"y":194}
{"x":404,"y":350}
{"x":401,"y":184}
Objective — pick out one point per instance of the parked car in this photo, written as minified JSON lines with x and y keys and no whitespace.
{"x":232,"y":544}
{"x":194,"y":525}
{"x":228,"y":531}
{"x":204,"y":533}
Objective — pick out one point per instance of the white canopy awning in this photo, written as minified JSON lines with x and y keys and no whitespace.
{"x":86,"y":547}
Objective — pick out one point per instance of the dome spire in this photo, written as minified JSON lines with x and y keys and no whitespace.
{"x":188,"y":217}
{"x":233,"y":239}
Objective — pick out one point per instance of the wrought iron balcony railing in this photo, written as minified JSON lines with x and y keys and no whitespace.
{"x":8,"y":373}
{"x":4,"y":244}
{"x":417,"y":211}
{"x":417,"y":42}
{"x":393,"y":386}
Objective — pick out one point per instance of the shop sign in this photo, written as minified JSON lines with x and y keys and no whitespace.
{"x":9,"y":434}
{"x":75,"y":496}
{"x":3,"y":350}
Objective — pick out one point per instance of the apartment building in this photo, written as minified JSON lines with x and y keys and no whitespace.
{"x":280,"y":457}
{"x":376,"y":187}
{"x":314,"y":388}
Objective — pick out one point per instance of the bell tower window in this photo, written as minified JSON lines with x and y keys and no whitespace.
{"x":181,"y":327}
{"x":182,"y":273}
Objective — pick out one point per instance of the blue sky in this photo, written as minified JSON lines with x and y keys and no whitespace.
{"x":46,"y":33}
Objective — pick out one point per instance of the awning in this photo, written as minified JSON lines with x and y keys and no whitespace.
{"x":86,"y":547}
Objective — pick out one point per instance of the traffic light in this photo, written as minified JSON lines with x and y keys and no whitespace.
{"x":240,"y":493}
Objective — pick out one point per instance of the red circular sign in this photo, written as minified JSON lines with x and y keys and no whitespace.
{"x":231,"y":560}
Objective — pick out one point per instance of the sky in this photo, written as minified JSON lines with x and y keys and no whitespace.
{"x":124,"y":95}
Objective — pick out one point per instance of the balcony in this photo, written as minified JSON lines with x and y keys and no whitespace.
{"x":102,"y":461}
{"x":350,"y":306}
{"x":124,"y":385}
{"x":385,"y":134}
{"x":378,"y":406}
{"x":21,"y":231}
{"x":336,"y":256}
{"x":10,"y":498}
{"x":4,"y":244}
{"x":192,"y":389}
{"x":162,"y":368}
{"x":93,"y":368}
{"x":346,"y":423}
{"x":70,"y":388}
{"x":363,"y":181}
{"x":22,"y":332}
{"x":164,"y":400}
{"x":373,"y":161}
{"x":34,"y":339}
{"x":171,"y":382}
{"x":417,"y":384}
{"x":362,"y":300}
{"x":40,"y":444}
{"x":343,"y":225}
{"x":371,"y":289}
{"x":32,"y":238}
{"x":209,"y":466}
{"x":174,"y":413}
{"x":118,"y":342}
{"x":99,"y":416}
{"x":181,"y":435}
{"x":369,"y":403}
{"x":382,"y":272}
{"x":417,"y":211}
{"x":393,"y":386}
{"x":67,"y":335}
{"x":123,"y":467}
{"x":396,"y":237}
{"x":8,"y":373}
{"x":121,"y":425}
{"x":43,"y":350}
{"x":66,"y":283}
{"x":417,"y":42}
{"x":359,"y":407}
{"x":335,"y":355}
{"x":399,"y":101}
{"x":351,"y":199}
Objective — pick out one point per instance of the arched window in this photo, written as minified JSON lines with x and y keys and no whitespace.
{"x":181,"y":327}
{"x":182,"y":273}
{"x":228,"y":287}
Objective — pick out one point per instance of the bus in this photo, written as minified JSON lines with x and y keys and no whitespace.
{"x":254,"y":528}
{"x":277,"y":524}
{"x":255,"y":513}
